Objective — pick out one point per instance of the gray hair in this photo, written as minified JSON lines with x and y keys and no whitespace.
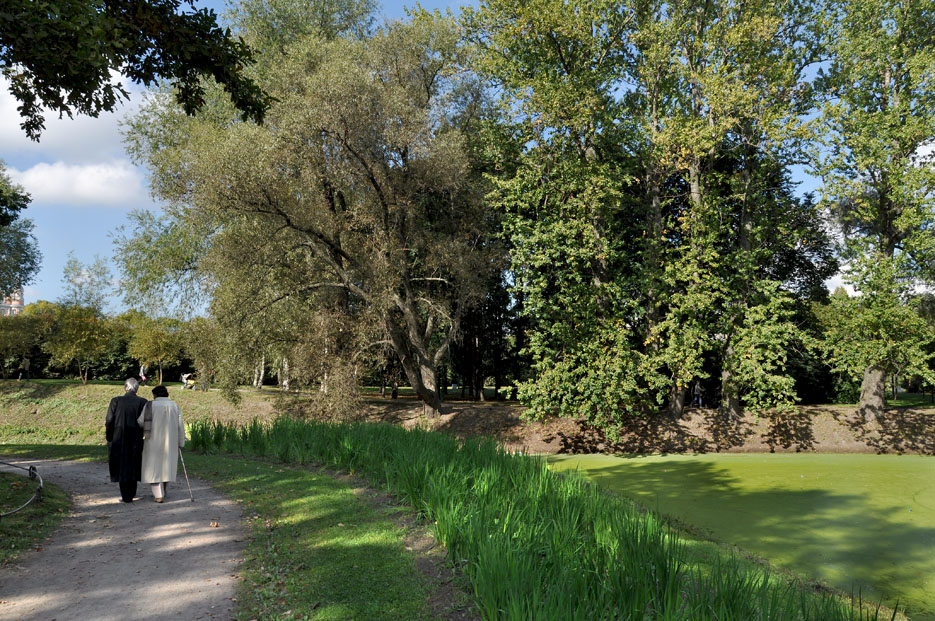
{"x":131,"y":385}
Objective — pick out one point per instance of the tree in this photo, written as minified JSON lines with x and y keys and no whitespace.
{"x":882,"y":331}
{"x":80,"y":335}
{"x":878,"y":115}
{"x":12,"y":198}
{"x":202,"y":342}
{"x":19,"y":255}
{"x":352,"y":216}
{"x":60,"y":55}
{"x":87,"y":286}
{"x":19,"y":250}
{"x":156,"y":342}
{"x":656,"y":236}
{"x":16,"y":338}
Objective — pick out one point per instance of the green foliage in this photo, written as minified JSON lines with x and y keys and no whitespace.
{"x":879,"y":181}
{"x":880,"y":328}
{"x":80,"y":336}
{"x":156,"y":342}
{"x":17,"y":336}
{"x":351,"y":219}
{"x":60,"y":56}
{"x":533,"y":543}
{"x":653,"y":226}
{"x":19,"y":255}
{"x":13,"y":198}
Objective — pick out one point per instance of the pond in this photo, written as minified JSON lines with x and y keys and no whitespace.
{"x":857,"y":522}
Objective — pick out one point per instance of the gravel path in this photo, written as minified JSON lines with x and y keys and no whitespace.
{"x":115,"y":561}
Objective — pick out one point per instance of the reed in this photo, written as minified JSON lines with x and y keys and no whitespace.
{"x":535,"y":544}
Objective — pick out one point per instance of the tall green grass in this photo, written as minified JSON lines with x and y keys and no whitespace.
{"x":534,"y":544}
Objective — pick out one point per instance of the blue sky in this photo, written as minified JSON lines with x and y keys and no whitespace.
{"x":83,"y":184}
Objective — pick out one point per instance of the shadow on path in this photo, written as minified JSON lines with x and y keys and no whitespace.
{"x":115,"y":561}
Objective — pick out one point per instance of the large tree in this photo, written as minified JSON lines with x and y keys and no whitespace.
{"x":60,"y":56}
{"x":877,"y":164}
{"x":350,"y":220}
{"x":657,"y":239}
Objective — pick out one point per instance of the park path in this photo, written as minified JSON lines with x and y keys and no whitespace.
{"x":116,"y":561}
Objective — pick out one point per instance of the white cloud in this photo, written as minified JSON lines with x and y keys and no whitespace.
{"x":115,"y":184}
{"x":81,"y":139}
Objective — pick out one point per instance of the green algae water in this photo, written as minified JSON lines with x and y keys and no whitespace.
{"x":857,"y":522}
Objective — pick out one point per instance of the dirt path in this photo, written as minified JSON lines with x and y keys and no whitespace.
{"x":111,"y":560}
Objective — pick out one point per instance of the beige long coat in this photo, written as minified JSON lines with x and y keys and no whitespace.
{"x":161,"y":448}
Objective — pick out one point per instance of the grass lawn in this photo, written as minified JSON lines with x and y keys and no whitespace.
{"x":856,"y":522}
{"x":318,"y":548}
{"x":27,"y":528}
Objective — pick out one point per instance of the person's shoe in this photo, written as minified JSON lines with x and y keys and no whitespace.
{"x":158,"y":499}
{"x":125,"y":500}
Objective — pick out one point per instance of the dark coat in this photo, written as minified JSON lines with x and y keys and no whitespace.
{"x":124,"y":437}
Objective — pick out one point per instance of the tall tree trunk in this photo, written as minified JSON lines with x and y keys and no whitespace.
{"x":478,"y":369}
{"x":730,"y":402}
{"x":419,"y":369}
{"x":284,"y":375}
{"x":872,"y":393}
{"x":259,"y":371}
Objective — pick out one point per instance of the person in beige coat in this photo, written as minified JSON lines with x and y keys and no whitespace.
{"x":164,"y":435}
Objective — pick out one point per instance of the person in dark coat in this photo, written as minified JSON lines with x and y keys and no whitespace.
{"x":125,"y":439}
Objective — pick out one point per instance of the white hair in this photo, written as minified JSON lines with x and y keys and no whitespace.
{"x":131,"y":385}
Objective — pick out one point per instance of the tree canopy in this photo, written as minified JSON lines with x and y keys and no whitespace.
{"x":597,"y":200}
{"x":351,"y":220}
{"x":62,"y":56}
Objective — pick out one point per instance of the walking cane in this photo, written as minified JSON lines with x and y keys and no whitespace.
{"x":186,"y":476}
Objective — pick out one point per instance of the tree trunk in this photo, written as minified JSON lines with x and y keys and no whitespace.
{"x":426,"y":388}
{"x":259,"y":371}
{"x":730,"y":402}
{"x":677,"y":397}
{"x":479,"y":369}
{"x":285,"y":374}
{"x":872,"y":394}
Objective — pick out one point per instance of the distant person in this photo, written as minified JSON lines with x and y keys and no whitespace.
{"x":143,"y":370}
{"x":164,"y":431}
{"x":24,"y":368}
{"x":698,"y":395}
{"x":125,"y":439}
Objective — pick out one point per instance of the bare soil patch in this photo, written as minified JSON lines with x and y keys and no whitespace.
{"x":822,"y":429}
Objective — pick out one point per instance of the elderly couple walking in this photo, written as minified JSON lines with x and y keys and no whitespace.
{"x":143,"y":440}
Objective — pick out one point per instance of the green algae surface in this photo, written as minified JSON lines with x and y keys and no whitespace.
{"x":861,"y":523}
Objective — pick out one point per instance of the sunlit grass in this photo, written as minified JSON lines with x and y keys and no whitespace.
{"x":317,"y":549}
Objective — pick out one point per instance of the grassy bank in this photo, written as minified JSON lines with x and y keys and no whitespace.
{"x":47,"y":411}
{"x":534,"y":544}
